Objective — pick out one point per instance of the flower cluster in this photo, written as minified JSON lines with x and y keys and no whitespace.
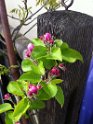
{"x":42,"y":68}
{"x":33,"y":89}
{"x":29,"y":50}
{"x":47,"y":39}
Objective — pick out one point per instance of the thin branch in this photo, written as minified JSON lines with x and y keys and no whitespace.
{"x":14,"y":17}
{"x":30,"y":21}
{"x":37,"y":11}
{"x":17,"y":29}
{"x":30,"y":28}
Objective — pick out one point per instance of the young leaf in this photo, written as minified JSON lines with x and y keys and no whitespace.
{"x":39,"y":52}
{"x":38,"y":42}
{"x":59,"y":96}
{"x":42,"y":95}
{"x":30,"y":76}
{"x":37,"y":104}
{"x":41,"y":68}
{"x":9,"y":118}
{"x":56,"y":81}
{"x":14,"y":88}
{"x":5,"y":107}
{"x":21,"y":109}
{"x":71,"y":55}
{"x":50,"y":89}
{"x":58,"y":42}
{"x":26,"y":65}
{"x":48,"y":64}
{"x":64,"y":46}
{"x":55,"y":54}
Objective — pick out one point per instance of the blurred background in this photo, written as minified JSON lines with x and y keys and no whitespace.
{"x":83,"y":6}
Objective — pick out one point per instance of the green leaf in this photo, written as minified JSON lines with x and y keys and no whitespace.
{"x":21,"y":109}
{"x":38,"y":42}
{"x":58,"y":42}
{"x":41,"y":68}
{"x":37,"y":104}
{"x":71,"y":55}
{"x":50,"y":89}
{"x":42,"y":95}
{"x":59,"y":96}
{"x":9,"y":118}
{"x":64,"y":45}
{"x":26,"y":65}
{"x":55,"y":54}
{"x":14,"y":88}
{"x":56,"y":81}
{"x":39,"y":52}
{"x":23,"y":85}
{"x":48,"y":64}
{"x":30,"y":76}
{"x":5,"y":107}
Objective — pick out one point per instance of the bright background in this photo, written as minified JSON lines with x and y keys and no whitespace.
{"x":84,"y":6}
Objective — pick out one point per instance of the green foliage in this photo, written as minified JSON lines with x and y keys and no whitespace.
{"x":41,"y":72}
{"x":20,"y":109}
{"x":55,"y":54}
{"x":5,"y":107}
{"x":30,"y":76}
{"x":51,"y":4}
{"x":15,"y":89}
{"x":50,"y":89}
{"x":60,"y":96}
{"x":9,"y":117}
{"x":21,"y":12}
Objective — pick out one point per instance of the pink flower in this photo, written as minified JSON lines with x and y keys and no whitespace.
{"x":30,"y":47}
{"x":51,"y":41}
{"x":55,"y":71}
{"x":27,"y":53}
{"x":47,"y":36}
{"x":32,"y":90}
{"x":7,"y":96}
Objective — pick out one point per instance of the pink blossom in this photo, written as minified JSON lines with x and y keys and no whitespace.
{"x":47,"y":36}
{"x":55,"y":71}
{"x":7,"y":96}
{"x":30,"y":47}
{"x":27,"y":53}
{"x":32,"y":89}
{"x":51,"y":41}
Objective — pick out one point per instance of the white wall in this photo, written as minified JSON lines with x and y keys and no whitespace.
{"x":84,"y":6}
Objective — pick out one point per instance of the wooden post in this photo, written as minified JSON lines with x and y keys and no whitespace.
{"x":8,"y":39}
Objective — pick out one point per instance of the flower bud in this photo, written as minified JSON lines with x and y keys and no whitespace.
{"x":7,"y":96}
{"x":62,"y":67}
{"x":39,"y":86}
{"x":30,"y":47}
{"x":47,"y":36}
{"x":55,"y":71}
{"x":27,"y":53}
{"x":33,"y":89}
{"x":51,"y":41}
